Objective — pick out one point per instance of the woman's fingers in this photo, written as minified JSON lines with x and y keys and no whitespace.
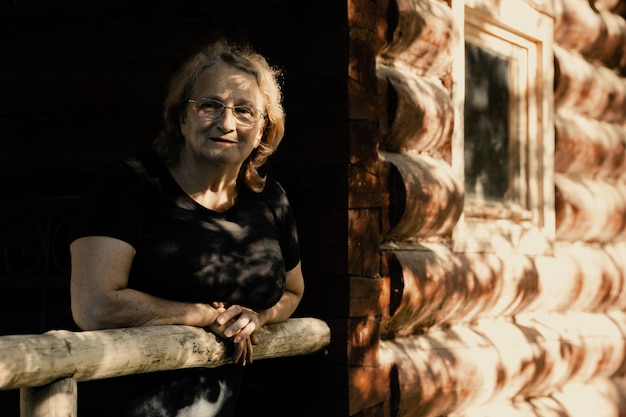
{"x":242,"y":330}
{"x":239,"y":322}
{"x":242,"y":352}
{"x":230,"y":313}
{"x":250,"y":349}
{"x":239,"y":353}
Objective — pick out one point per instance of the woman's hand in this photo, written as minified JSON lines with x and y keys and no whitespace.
{"x":240,"y":322}
{"x":237,"y":324}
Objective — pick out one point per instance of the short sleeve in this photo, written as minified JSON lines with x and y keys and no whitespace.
{"x":286,"y":223}
{"x":114,"y":204}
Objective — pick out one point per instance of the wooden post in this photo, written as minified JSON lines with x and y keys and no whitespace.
{"x":58,"y":399}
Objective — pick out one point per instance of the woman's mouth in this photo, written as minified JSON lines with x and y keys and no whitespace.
{"x":223,"y":140}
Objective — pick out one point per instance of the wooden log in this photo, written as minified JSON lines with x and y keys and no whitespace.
{"x":617,"y":252}
{"x":367,"y":23}
{"x":581,"y":277}
{"x":435,"y":285}
{"x":619,"y":8}
{"x":601,"y":397}
{"x":368,"y":386}
{"x":58,"y":399}
{"x":608,"y":5}
{"x":424,"y":39}
{"x":451,"y":369}
{"x":363,"y":242}
{"x":589,"y":147}
{"x":599,"y":35}
{"x":426,"y":199}
{"x":533,"y":407}
{"x":35,"y":360}
{"x":364,"y":139}
{"x":589,"y":210}
{"x":363,"y":340}
{"x":368,"y":297}
{"x":424,"y":115}
{"x":593,"y":91}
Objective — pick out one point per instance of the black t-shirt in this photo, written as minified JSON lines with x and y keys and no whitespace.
{"x":189,"y":253}
{"x":185,"y":251}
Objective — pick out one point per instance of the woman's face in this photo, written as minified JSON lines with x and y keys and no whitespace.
{"x":222,"y":140}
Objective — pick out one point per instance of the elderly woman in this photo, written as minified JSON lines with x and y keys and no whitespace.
{"x":192,"y":234}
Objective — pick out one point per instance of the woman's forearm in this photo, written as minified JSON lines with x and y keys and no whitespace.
{"x":294,"y":289}
{"x":282,"y":310}
{"x":130,"y":308}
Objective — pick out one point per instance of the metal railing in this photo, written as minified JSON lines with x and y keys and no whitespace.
{"x":47,"y":367}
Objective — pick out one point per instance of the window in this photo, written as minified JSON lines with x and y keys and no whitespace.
{"x":504,"y":136}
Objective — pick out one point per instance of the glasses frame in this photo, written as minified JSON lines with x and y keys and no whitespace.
{"x":194,"y":101}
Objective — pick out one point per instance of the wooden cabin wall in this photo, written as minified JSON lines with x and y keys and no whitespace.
{"x":435,"y":332}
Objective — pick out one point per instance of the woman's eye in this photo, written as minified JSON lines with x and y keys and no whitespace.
{"x":243,"y":110}
{"x":210,"y":105}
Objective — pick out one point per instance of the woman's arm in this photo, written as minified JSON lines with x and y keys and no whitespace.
{"x":294,"y":289}
{"x":101,"y":298}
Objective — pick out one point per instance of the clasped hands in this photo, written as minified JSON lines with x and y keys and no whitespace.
{"x":237,"y":324}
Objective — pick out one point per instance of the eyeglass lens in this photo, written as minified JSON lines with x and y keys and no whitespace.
{"x":213,"y":109}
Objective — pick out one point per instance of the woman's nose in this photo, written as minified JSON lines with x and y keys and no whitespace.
{"x":227,"y":120}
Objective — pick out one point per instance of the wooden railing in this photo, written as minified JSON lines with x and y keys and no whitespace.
{"x":47,"y":367}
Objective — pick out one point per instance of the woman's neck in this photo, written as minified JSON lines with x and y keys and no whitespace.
{"x":209,"y":186}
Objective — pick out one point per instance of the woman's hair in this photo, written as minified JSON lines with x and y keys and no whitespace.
{"x":169,"y":142}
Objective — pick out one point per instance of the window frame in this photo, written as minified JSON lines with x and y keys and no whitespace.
{"x":525,"y":36}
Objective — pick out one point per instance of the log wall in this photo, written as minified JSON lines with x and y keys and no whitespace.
{"x":434,"y":332}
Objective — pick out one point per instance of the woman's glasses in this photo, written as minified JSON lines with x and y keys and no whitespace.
{"x":210,"y":109}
